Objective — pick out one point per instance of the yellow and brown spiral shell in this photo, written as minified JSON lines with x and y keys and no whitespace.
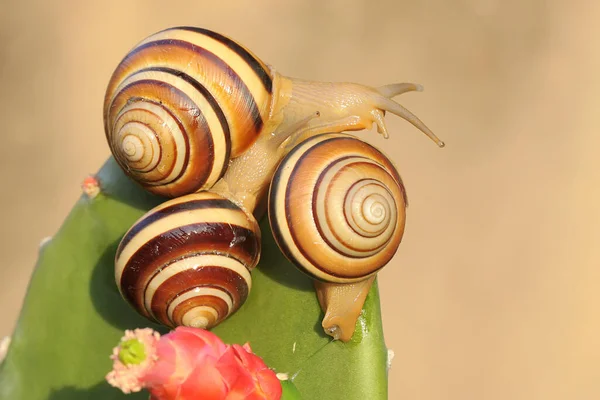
{"x":181,"y":104}
{"x":337,"y":208}
{"x":188,"y":261}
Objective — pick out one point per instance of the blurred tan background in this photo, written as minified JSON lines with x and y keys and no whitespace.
{"x":494,"y":293}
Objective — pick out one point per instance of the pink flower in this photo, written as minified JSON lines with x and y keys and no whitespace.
{"x":191,"y":364}
{"x":132,"y":359}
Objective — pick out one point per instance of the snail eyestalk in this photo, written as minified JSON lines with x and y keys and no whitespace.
{"x":387,"y":104}
{"x":396,"y":89}
{"x":344,"y":106}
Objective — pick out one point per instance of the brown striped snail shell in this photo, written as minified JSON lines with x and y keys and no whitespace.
{"x":180,"y":104}
{"x":187,"y":101}
{"x":337,"y":208}
{"x":188,"y":261}
{"x":337,"y":212}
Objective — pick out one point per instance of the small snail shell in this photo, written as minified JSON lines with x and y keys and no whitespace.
{"x":337,"y":208}
{"x":337,"y":211}
{"x":188,"y":261}
{"x":187,"y":101}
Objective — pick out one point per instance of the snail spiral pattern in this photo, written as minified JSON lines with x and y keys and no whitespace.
{"x":337,"y":208}
{"x":188,"y":261}
{"x":181,"y":104}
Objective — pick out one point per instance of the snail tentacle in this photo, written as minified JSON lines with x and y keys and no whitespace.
{"x":345,"y":106}
{"x":390,"y":105}
{"x":396,"y":89}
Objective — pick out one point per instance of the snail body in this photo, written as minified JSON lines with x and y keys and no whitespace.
{"x":188,"y":261}
{"x":186,"y":102}
{"x":337,"y":211}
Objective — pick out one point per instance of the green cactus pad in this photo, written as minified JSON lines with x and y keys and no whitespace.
{"x":73,"y":315}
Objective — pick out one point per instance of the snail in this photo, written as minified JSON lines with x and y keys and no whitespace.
{"x":188,"y":260}
{"x":337,"y":211}
{"x":186,"y":103}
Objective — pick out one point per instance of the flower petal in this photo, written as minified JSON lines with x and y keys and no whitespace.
{"x":209,"y":338}
{"x":269,"y":384}
{"x":247,"y":376}
{"x":186,"y":366}
{"x":250,"y":360}
{"x":168,"y":373}
{"x":205,"y":383}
